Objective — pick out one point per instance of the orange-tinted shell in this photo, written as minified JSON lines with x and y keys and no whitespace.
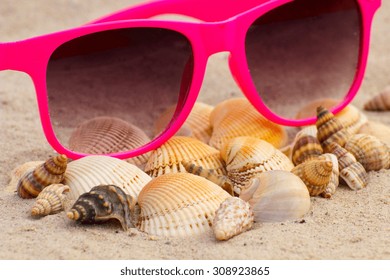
{"x":306,"y":145}
{"x":377,"y":129}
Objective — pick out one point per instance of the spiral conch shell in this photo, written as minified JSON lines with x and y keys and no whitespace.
{"x":377,"y":129}
{"x":276,"y":196}
{"x":102,"y":203}
{"x":233,"y":217}
{"x":106,"y":135}
{"x":245,"y":157}
{"x":178,"y":204}
{"x":372,"y":153}
{"x":85,"y":173}
{"x":50,"y":172}
{"x":380,"y":102}
{"x":51,"y":200}
{"x":169,"y":157}
{"x":306,"y":145}
{"x":334,"y":179}
{"x":20,"y":171}
{"x":237,"y":117}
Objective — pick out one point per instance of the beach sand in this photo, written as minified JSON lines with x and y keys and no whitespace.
{"x":351,"y":225}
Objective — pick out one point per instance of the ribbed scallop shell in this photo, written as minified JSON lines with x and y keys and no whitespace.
{"x":372,"y":153}
{"x":169,"y":157}
{"x":237,"y":117}
{"x":277,"y":196}
{"x":106,"y":135}
{"x":179,"y":204}
{"x":380,"y":102}
{"x":51,"y":200}
{"x":377,"y":129}
{"x":102,"y":203}
{"x":85,"y":173}
{"x":233,"y":217}
{"x":306,"y":145}
{"x":245,"y":157}
{"x":334,"y":179}
{"x":330,"y":129}
{"x":315,"y":173}
{"x":19,"y":171}
{"x":50,"y":172}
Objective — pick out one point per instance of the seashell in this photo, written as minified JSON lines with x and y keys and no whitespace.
{"x":169,"y":157}
{"x":237,"y":117}
{"x":372,"y":153}
{"x":334,"y":179}
{"x":50,"y":172}
{"x":18,"y":172}
{"x":316,"y":174}
{"x":377,"y":129}
{"x":51,"y":200}
{"x":102,"y":203}
{"x":233,"y":217}
{"x":329,"y":129}
{"x":277,"y":196}
{"x":351,"y":171}
{"x":107,"y":135}
{"x":245,"y":157}
{"x":178,"y":204}
{"x":85,"y":173}
{"x":306,"y":145}
{"x":380,"y":102}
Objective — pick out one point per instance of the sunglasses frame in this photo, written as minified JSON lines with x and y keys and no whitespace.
{"x":223,"y":30}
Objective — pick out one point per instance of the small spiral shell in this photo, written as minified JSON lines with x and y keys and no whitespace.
{"x":306,"y":145}
{"x":51,"y":200}
{"x":380,"y":102}
{"x":50,"y":172}
{"x":334,"y":179}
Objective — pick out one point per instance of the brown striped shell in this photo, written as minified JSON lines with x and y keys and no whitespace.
{"x":233,"y":217}
{"x":50,"y":172}
{"x":306,"y":145}
{"x":85,"y":173}
{"x":237,"y":117}
{"x":106,"y":135}
{"x":103,"y":203}
{"x":245,"y":157}
{"x":169,"y":157}
{"x":372,"y":153}
{"x":277,"y":196}
{"x":380,"y":102}
{"x":19,"y":171}
{"x":334,"y":179}
{"x":51,"y":200}
{"x":178,"y":204}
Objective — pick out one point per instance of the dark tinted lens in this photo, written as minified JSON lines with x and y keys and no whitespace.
{"x":106,"y":90}
{"x":304,"y":51}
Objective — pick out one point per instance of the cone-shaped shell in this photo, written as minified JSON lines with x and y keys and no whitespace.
{"x":169,"y":157}
{"x":233,"y":217}
{"x":107,"y":135}
{"x":18,"y":172}
{"x":334,"y":179}
{"x":277,"y":196}
{"x":179,"y":204}
{"x":306,"y":145}
{"x":237,"y":117}
{"x":316,"y":174}
{"x":50,"y":172}
{"x":380,"y":102}
{"x":377,"y":129}
{"x":51,"y":200}
{"x":245,"y":157}
{"x":85,"y":173}
{"x":103,"y":203}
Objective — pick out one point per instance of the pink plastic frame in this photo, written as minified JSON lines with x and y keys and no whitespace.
{"x":224,"y":27}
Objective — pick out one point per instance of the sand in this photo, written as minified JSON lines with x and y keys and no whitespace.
{"x":351,"y":225}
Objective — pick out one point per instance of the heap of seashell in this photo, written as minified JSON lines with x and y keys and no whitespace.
{"x":225,"y":174}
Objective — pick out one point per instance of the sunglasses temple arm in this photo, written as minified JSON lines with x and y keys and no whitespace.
{"x":4,"y":57}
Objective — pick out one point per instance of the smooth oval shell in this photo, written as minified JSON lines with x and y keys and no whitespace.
{"x":277,"y":196}
{"x":380,"y":102}
{"x":85,"y":173}
{"x":169,"y":157}
{"x":234,"y":216}
{"x":306,"y":145}
{"x":179,"y":204}
{"x":51,"y":200}
{"x":237,"y":117}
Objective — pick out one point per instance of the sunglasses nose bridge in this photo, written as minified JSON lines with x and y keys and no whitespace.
{"x":218,"y":37}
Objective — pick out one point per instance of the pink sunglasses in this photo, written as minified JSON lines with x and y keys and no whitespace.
{"x":134,"y":68}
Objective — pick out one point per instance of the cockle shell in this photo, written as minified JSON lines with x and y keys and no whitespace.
{"x":169,"y":157}
{"x":380,"y":102}
{"x":245,"y":157}
{"x":372,"y":153}
{"x":330,"y":129}
{"x":306,"y":145}
{"x":237,"y":117}
{"x":377,"y":129}
{"x":102,"y":203}
{"x":51,"y":200}
{"x":18,"y":172}
{"x":85,"y":173}
{"x":178,"y":204}
{"x":315,"y":173}
{"x":351,"y":171}
{"x":106,"y":135}
{"x":277,"y":196}
{"x":233,"y":217}
{"x":334,"y":179}
{"x":50,"y":172}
